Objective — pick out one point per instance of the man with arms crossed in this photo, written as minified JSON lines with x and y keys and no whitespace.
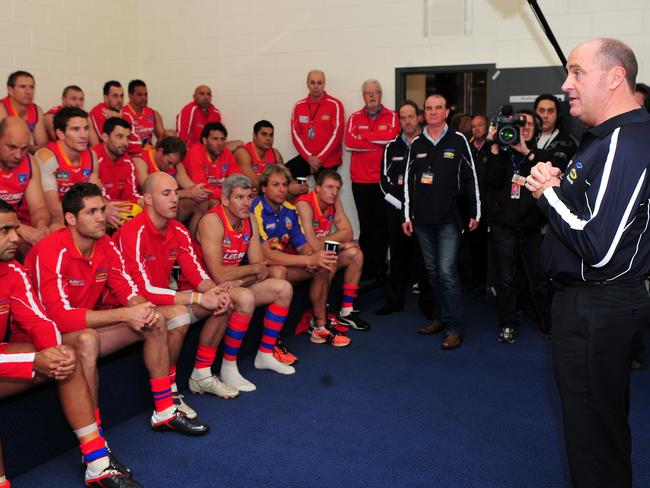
{"x":226,"y":234}
{"x":36,"y":354}
{"x":318,"y":210}
{"x":285,"y":247}
{"x":597,"y":251}
{"x":74,"y":269}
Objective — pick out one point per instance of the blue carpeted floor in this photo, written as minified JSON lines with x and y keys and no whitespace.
{"x":391,"y":410}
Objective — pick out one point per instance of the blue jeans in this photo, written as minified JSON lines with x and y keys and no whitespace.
{"x":439,"y":245}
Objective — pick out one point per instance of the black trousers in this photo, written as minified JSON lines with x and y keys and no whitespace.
{"x":373,"y":231}
{"x":299,"y":168}
{"x":521,"y":247}
{"x":593,"y":335}
{"x":406,"y":263}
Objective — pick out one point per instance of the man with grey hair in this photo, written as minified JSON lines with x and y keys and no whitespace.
{"x":226,"y":234}
{"x":597,"y":251}
{"x":316,"y":129}
{"x":366,"y":135}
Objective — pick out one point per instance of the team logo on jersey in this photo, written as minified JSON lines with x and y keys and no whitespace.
{"x":255,"y":167}
{"x":449,"y":154}
{"x":4,"y":309}
{"x":287,"y":223}
{"x":76,"y":282}
{"x":226,"y":241}
{"x":270,"y":226}
{"x":578,"y":165}
{"x":85,"y":172}
{"x":382,"y":127}
{"x":22,"y":177}
{"x":246,"y":237}
{"x":62,"y":175}
{"x":224,"y":167}
{"x":573,"y":174}
{"x":303,"y":119}
{"x":325,"y":117}
{"x":330,"y":217}
{"x":99,"y":277}
{"x":149,"y":118}
{"x":315,"y":224}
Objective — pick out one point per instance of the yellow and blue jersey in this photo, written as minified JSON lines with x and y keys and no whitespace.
{"x":283,"y":228}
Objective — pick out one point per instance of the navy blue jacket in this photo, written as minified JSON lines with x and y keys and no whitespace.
{"x":599,"y":215}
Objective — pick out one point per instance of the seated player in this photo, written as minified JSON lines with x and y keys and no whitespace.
{"x":151,"y":244}
{"x":116,"y":168}
{"x":35,"y":354}
{"x":225,"y":235}
{"x":318,"y":210}
{"x":20,"y":183}
{"x":166,"y":157}
{"x":285,"y":247}
{"x":194,"y":116}
{"x":145,"y":121}
{"x":257,"y":154}
{"x":210,"y":162}
{"x":110,"y":107}
{"x":66,"y":161}
{"x":74,"y":269}
{"x":72,"y":96}
{"x":19,"y":102}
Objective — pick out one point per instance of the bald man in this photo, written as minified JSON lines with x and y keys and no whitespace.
{"x":316,"y":129}
{"x":597,"y":252}
{"x":20,"y":183}
{"x":195,"y":115}
{"x":151,"y":244}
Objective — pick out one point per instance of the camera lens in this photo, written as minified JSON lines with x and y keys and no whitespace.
{"x":508,"y":135}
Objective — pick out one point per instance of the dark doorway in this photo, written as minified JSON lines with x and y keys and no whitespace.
{"x":464,"y":87}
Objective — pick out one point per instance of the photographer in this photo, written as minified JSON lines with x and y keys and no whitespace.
{"x":553,"y":138}
{"x":516,"y":223}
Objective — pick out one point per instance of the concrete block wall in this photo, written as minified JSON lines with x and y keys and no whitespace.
{"x":255,"y":54}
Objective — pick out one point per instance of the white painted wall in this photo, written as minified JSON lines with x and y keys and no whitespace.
{"x":255,"y":54}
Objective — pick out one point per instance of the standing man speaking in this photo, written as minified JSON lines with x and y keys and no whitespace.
{"x":596,"y":251}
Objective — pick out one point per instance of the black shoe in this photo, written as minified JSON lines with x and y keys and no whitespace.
{"x":181,"y":424}
{"x":388,"y":309}
{"x":353,"y":321}
{"x":112,"y":477}
{"x":507,"y":335}
{"x":116,"y":462}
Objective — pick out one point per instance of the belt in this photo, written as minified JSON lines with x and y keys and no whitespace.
{"x":561,"y":283}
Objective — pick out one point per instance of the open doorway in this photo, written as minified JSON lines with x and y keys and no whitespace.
{"x":465,"y":87}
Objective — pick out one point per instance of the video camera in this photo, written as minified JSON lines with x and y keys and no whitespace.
{"x":507,"y":125}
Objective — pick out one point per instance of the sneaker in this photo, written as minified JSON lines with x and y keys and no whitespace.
{"x":112,"y":477}
{"x":282,"y":354}
{"x":507,"y":335}
{"x":333,"y":320}
{"x":181,"y":424}
{"x":116,"y":462}
{"x":212,"y":384}
{"x":183,"y":407}
{"x":353,"y":320}
{"x":329,"y":335}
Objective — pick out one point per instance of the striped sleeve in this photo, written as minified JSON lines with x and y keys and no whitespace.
{"x":17,"y":365}
{"x":49,"y":270}
{"x":28,"y":313}
{"x":613,"y":198}
{"x":187,"y":259}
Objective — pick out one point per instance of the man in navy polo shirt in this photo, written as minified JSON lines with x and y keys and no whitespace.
{"x":597,"y":252}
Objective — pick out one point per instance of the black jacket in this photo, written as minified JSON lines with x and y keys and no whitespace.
{"x":393,"y":167}
{"x":502,"y":209}
{"x":450,"y":162}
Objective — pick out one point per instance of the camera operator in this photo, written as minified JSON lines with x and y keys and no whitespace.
{"x":516,"y":223}
{"x":553,"y":137}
